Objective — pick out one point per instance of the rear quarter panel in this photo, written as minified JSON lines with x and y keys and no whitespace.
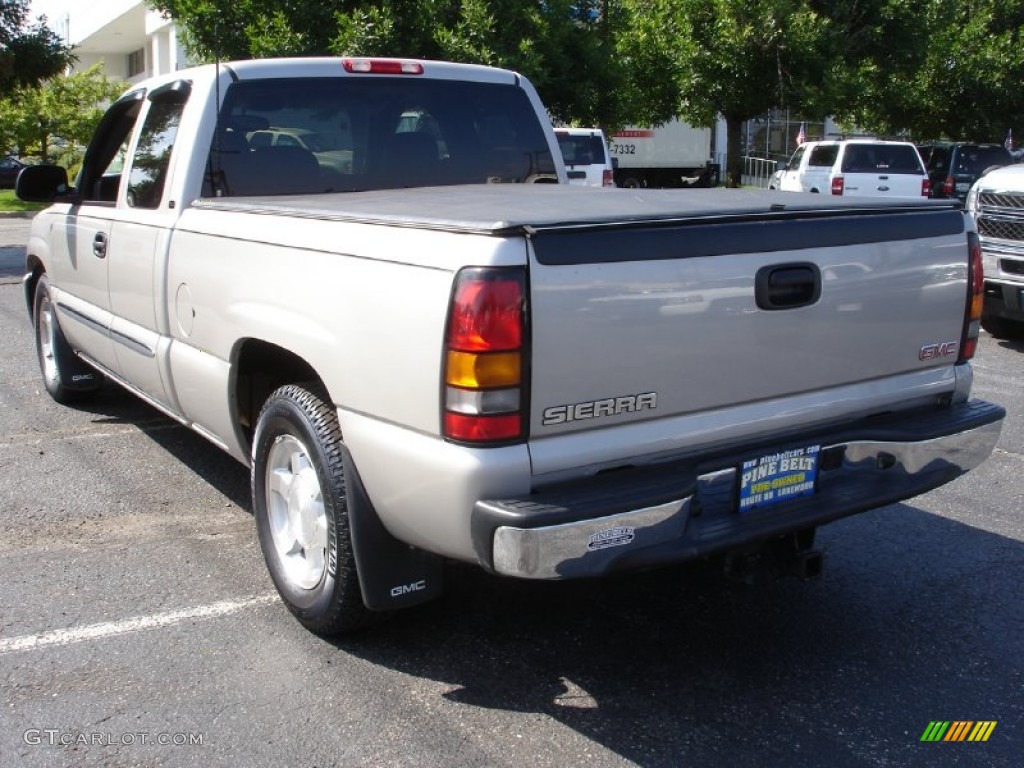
{"x":364,"y":305}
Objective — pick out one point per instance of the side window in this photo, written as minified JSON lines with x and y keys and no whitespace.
{"x":100,"y":179}
{"x":823,"y":156}
{"x":794,"y":161}
{"x":153,"y":151}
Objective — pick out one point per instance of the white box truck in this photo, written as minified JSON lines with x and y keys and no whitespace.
{"x":671,"y":155}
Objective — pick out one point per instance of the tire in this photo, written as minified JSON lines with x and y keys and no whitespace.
{"x":299,"y":502}
{"x":1001,"y":328}
{"x":66,"y":376}
{"x":631,"y":182}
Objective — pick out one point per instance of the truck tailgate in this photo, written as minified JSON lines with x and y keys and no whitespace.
{"x":645,"y":321}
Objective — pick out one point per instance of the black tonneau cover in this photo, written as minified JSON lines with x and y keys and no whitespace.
{"x":502,"y":209}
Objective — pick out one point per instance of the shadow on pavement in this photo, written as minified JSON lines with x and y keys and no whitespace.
{"x":680,"y":667}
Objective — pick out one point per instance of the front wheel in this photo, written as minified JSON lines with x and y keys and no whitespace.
{"x":299,"y":502}
{"x":67,"y":377}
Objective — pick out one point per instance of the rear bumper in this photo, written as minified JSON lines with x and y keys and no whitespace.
{"x":686,"y":509}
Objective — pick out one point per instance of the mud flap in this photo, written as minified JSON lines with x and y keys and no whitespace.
{"x":392,"y":574}
{"x":78,"y":374}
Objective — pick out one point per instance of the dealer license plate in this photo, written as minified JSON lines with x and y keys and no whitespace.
{"x":778,"y":477}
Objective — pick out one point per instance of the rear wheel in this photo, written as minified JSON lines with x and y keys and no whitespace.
{"x":299,"y":502}
{"x":631,"y":182}
{"x":67,"y":377}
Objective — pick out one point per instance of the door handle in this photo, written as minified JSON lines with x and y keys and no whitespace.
{"x":787,"y":286}
{"x":99,"y":245}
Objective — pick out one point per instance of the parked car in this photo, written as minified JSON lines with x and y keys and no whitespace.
{"x":856,"y":167}
{"x":585,"y":152}
{"x":954,"y":166}
{"x":332,"y":151}
{"x":10,"y":167}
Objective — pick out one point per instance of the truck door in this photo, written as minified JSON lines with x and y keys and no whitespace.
{"x":81,"y":267}
{"x":139,"y":234}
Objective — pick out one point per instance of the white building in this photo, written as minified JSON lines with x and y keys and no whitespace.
{"x":132,"y":41}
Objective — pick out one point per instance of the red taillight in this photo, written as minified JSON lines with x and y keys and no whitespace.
{"x":947,"y":186}
{"x":480,"y":429}
{"x":837,"y":185}
{"x":975,"y":299}
{"x":382,"y":67}
{"x":486,"y":313}
{"x":484,"y":388}
{"x":607,"y":178}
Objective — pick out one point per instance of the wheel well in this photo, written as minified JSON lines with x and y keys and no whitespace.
{"x":260,"y":368}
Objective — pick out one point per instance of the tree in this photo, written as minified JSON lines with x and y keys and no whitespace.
{"x":28,"y":53}
{"x":701,"y":58}
{"x":934,"y":68}
{"x":565,"y":47}
{"x":59,"y":116}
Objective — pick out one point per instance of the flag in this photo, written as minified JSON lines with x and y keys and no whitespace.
{"x":1009,"y":139}
{"x":802,"y":136}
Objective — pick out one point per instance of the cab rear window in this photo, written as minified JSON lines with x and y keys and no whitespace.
{"x":347,"y":134}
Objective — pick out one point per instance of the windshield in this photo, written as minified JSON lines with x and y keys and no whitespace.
{"x":350,"y":134}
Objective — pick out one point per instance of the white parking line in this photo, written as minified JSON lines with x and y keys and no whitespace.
{"x":136,"y":624}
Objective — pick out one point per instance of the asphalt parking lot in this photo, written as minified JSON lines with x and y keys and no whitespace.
{"x":138,"y":626}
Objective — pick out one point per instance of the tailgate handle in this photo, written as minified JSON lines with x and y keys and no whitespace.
{"x":787,"y":286}
{"x":99,"y":245}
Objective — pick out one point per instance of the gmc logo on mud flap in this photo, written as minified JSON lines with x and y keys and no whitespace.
{"x":407,"y":589}
{"x":932,"y":351}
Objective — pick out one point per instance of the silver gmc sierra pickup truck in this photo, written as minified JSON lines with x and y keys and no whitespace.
{"x":367,"y":280}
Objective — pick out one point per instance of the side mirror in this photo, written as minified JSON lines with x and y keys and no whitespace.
{"x":41,"y":183}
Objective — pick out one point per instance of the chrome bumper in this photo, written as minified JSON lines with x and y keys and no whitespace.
{"x":552,"y":536}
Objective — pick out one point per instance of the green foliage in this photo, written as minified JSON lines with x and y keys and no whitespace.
{"x":704,"y":58}
{"x":29,"y":53}
{"x":10,"y":202}
{"x":55,"y":120}
{"x":947,"y":69}
{"x":920,"y":67}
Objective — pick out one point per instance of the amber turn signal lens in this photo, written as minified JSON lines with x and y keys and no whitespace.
{"x":483,"y":371}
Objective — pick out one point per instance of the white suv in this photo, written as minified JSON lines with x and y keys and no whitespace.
{"x":855,"y":167}
{"x":585,"y":152}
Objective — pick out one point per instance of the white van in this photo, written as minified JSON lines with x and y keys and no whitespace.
{"x":585,"y":152}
